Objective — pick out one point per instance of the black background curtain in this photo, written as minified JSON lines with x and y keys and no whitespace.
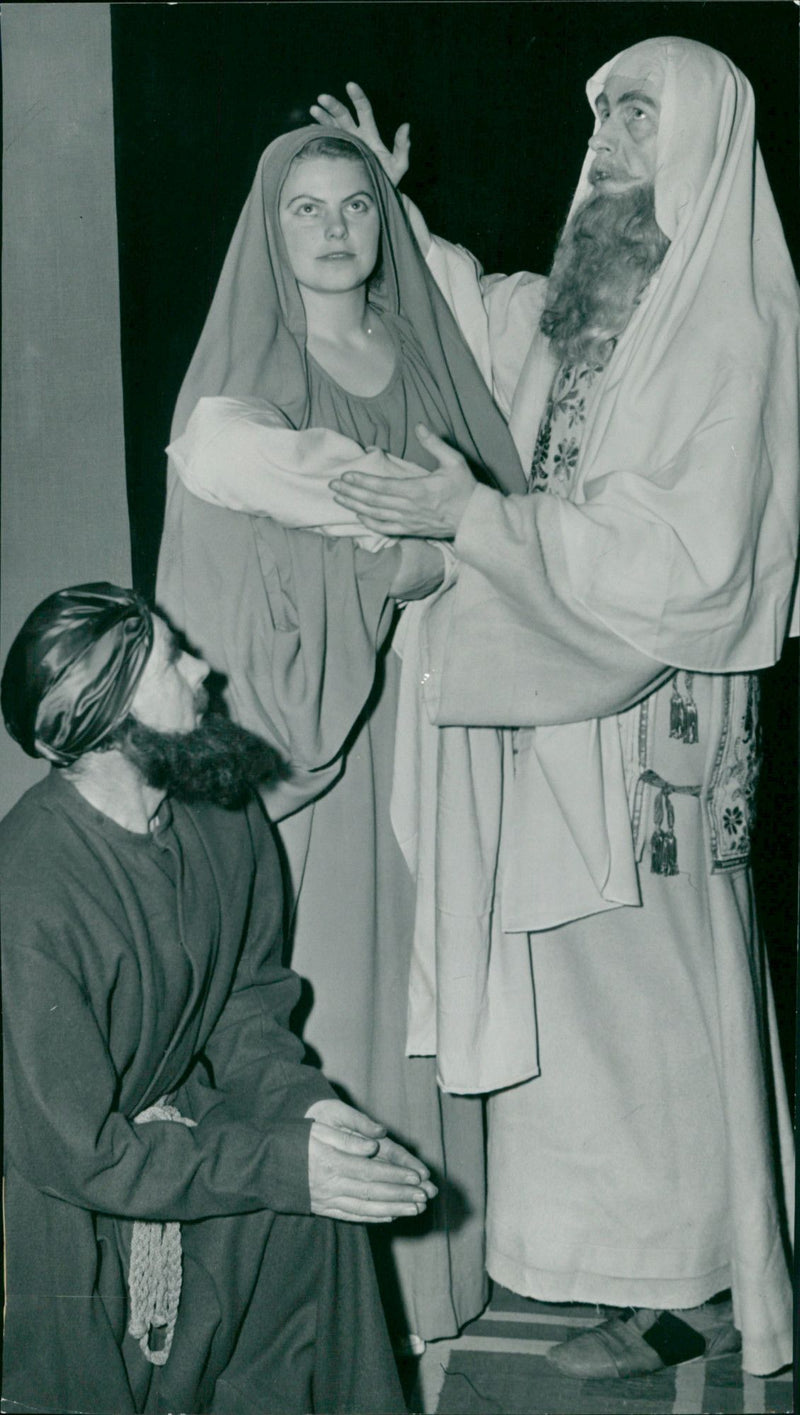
{"x":499,"y":124}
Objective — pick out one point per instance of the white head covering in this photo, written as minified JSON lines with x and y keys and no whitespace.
{"x":681,"y":535}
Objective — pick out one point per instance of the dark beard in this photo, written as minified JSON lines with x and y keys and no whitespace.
{"x":604,"y":259}
{"x":218,"y":762}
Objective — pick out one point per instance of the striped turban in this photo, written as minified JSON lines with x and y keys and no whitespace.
{"x":73,"y":669}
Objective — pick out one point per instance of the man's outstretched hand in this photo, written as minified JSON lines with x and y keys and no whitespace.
{"x":355,"y":1172}
{"x":331,"y":113}
{"x":430,"y":504}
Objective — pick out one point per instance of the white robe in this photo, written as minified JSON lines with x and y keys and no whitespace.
{"x":650,"y":1161}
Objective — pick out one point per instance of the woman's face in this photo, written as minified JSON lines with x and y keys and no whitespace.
{"x":330,"y":223}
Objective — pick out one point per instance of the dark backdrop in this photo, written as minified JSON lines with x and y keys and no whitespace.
{"x":499,"y":124}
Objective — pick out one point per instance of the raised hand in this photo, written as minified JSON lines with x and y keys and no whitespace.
{"x":330,"y":112}
{"x":430,"y":504}
{"x":356,"y":1173}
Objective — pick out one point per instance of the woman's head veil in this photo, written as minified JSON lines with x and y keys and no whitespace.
{"x":253,"y":341}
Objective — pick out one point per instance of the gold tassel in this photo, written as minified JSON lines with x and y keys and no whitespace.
{"x":677,"y":712}
{"x":663,"y":845}
{"x":690,"y":713}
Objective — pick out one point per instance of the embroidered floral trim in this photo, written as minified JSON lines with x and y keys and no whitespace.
{"x":555,"y":455}
{"x":731,"y":802}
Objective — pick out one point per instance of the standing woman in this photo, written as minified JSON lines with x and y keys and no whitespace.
{"x":327,"y":345}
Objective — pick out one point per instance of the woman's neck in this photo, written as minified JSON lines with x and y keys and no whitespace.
{"x":348,"y":342}
{"x":337,"y":317}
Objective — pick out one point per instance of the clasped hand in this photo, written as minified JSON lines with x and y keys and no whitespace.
{"x":355,"y":1172}
{"x":428,"y":504}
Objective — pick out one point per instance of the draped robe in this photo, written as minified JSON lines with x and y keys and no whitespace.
{"x":649,"y":1162}
{"x":136,"y":965}
{"x":300,"y":625}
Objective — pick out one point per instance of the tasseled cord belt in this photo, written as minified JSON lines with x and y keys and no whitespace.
{"x":663,"y":845}
{"x":156,"y":1268}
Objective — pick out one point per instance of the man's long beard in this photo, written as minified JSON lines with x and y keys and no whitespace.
{"x":604,"y":259}
{"x":218,"y":762}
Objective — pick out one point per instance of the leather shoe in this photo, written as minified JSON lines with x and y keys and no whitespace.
{"x":640,"y":1341}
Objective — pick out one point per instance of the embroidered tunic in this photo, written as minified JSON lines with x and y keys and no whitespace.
{"x":729,"y":793}
{"x":555,"y":456}
{"x":614,"y":1175}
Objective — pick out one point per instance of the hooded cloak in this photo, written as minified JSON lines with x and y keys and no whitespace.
{"x":253,"y":341}
{"x":299,"y":622}
{"x":248,"y":387}
{"x":681,"y":534}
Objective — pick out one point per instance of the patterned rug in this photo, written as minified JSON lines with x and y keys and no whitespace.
{"x":497,"y":1367}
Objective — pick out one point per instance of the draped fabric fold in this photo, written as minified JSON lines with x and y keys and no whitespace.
{"x":656,"y":1026}
{"x":254,"y":345}
{"x":681,"y":530}
{"x":300,"y":624}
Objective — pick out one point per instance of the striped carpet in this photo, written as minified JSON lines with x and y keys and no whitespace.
{"x":497,"y":1367}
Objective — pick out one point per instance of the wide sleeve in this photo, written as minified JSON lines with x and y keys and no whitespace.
{"x":65,"y":1131}
{"x":508,"y":643}
{"x":292,"y":622}
{"x":242,"y":453}
{"x":497,"y":314}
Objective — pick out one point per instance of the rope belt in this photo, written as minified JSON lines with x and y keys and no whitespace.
{"x":663,"y":845}
{"x":156,"y":1270}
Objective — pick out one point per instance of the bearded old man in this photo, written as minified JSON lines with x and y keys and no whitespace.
{"x":185,"y":1198}
{"x":640,"y":1154}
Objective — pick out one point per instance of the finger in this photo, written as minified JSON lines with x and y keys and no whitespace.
{"x":340,"y":1115}
{"x":365,"y":506}
{"x":366,"y":126}
{"x":321,"y":116}
{"x":381,"y":1193}
{"x":424,"y":1181}
{"x":361,"y":103}
{"x":398,"y":1154}
{"x":324,"y":1211}
{"x":336,"y":111}
{"x":365,"y":1211}
{"x":358,"y":1170}
{"x":376,"y":506}
{"x":345,"y":1141}
{"x":361,"y":1123}
{"x":401,"y":478}
{"x":429,"y":1188}
{"x":441,"y":450}
{"x":382,"y":490}
{"x":384,"y":1204}
{"x":402,"y":141}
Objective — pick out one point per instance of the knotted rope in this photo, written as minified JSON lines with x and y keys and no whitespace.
{"x":156,"y":1269}
{"x":663,"y":845}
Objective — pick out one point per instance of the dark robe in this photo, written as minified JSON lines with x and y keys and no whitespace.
{"x":133,"y":966}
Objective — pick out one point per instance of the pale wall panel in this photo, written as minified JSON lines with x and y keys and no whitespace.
{"x":64,"y":510}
